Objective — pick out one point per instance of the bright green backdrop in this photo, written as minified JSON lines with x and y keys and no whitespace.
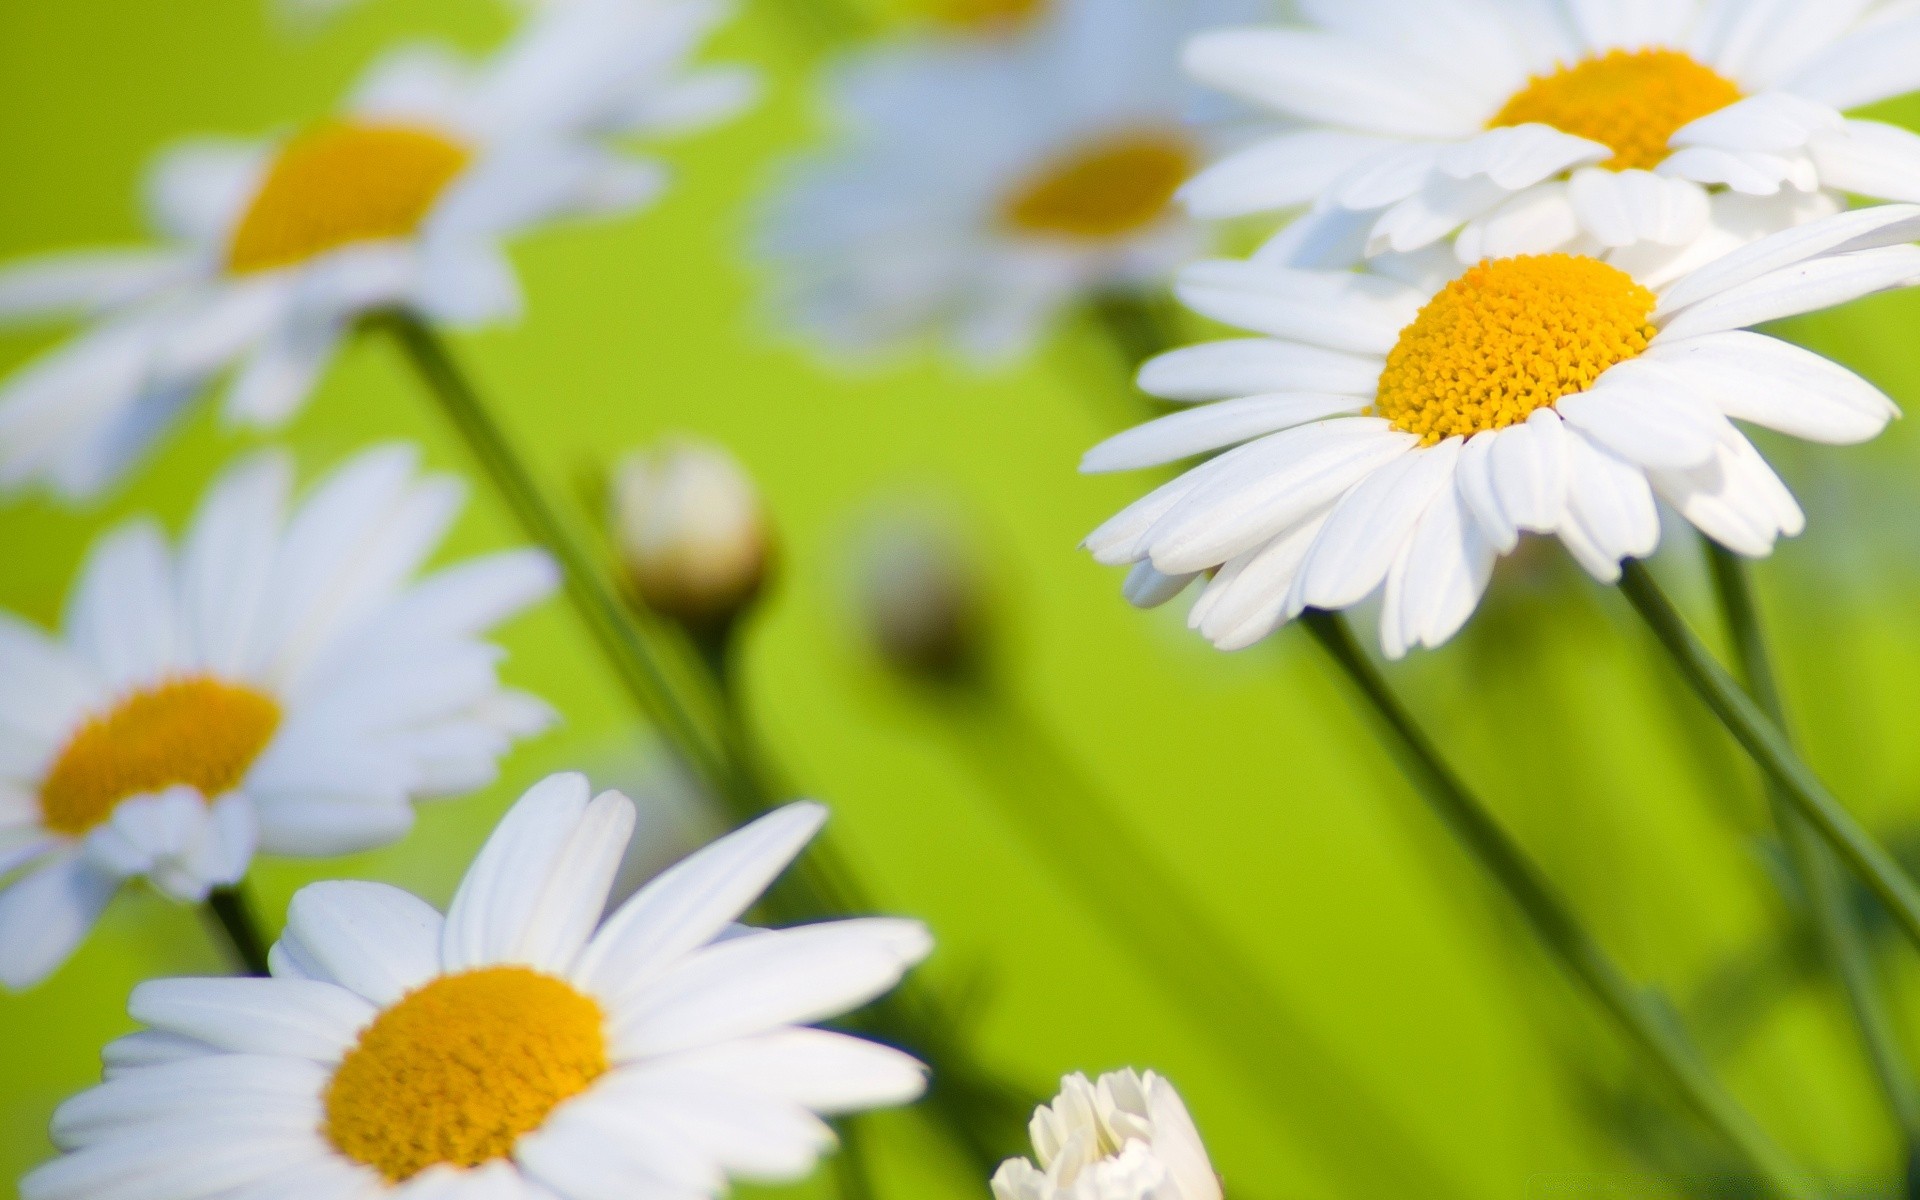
{"x":1246,"y":771}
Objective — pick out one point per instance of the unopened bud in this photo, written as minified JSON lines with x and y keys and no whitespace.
{"x":692,"y":533}
{"x":924,"y":603}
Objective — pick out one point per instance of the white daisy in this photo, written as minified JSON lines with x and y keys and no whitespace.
{"x":1548,"y":124}
{"x":985,"y":183}
{"x":516,"y":1049}
{"x":1404,"y":438}
{"x":274,"y":249}
{"x":279,"y":682}
{"x":1127,"y":1137}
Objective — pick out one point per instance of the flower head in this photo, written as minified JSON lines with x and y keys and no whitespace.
{"x":280,"y":681}
{"x":1126,"y":1137}
{"x":986,"y":183}
{"x":273,"y":250}
{"x":692,"y":531}
{"x":517,"y":1046}
{"x":1558,"y":125}
{"x":1397,"y":438}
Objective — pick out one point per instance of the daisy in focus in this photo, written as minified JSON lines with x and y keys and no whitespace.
{"x":273,"y":250}
{"x":518,"y":1047}
{"x":983,"y":184}
{"x":1126,"y":1137}
{"x":1397,"y":439}
{"x":280,"y":681}
{"x":1577,"y":124}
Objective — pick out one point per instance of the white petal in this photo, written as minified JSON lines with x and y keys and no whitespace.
{"x":1281,"y":172}
{"x":1339,"y":310}
{"x":1879,"y":60}
{"x":824,"y":1071}
{"x":1863,"y":229}
{"x":1368,"y":527}
{"x":1146,"y":587}
{"x":1620,"y":208}
{"x":77,"y":285}
{"x":1514,"y":157}
{"x":1807,"y":287}
{"x":1529,"y":467}
{"x":295,"y":1017}
{"x":1736,"y":500}
{"x":1871,"y":158}
{"x":1326,"y":77}
{"x":219,"y":1088}
{"x":1644,"y":415}
{"x":1438,"y":579}
{"x":1211,"y":426}
{"x":1610,"y":510}
{"x":122,"y":619}
{"x":45,"y":914}
{"x":1539,"y":220}
{"x":1251,"y":595}
{"x":1254,"y":366}
{"x":370,"y":938}
{"x":1752,"y":377}
{"x":690,"y":903}
{"x":1770,"y":123}
{"x":227,"y":561}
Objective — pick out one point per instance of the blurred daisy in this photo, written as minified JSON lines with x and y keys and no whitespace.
{"x":1404,"y":438}
{"x":517,"y":1047}
{"x":1578,"y":124}
{"x":1127,"y":1137}
{"x":279,"y":682}
{"x":985,"y":183}
{"x":276,"y":249}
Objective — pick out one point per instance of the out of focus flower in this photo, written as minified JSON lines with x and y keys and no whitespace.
{"x":692,"y":532}
{"x":983,"y":184}
{"x":1127,"y":1137}
{"x":923,"y":601}
{"x":275,"y":249}
{"x":516,"y":1047}
{"x":1401,"y":438}
{"x":279,"y":682}
{"x":1560,"y":124}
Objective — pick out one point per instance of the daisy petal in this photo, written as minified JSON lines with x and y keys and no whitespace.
{"x":372,"y":939}
{"x":295,"y":1017}
{"x":1211,"y":427}
{"x":1752,"y":377}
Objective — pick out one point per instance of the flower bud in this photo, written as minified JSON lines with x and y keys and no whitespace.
{"x":923,"y":603}
{"x":692,"y":533}
{"x":1125,"y":1137}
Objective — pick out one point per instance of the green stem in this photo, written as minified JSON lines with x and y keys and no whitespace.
{"x":1833,"y":921}
{"x":1647,"y":1023}
{"x":1763,"y":741}
{"x":231,"y":911}
{"x":1093,"y":851}
{"x":593,"y":600}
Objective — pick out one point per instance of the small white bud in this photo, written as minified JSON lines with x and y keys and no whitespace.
{"x":1126,"y":1137}
{"x":692,"y":532}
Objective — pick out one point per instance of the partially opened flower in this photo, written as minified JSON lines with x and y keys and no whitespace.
{"x":1591,"y":123}
{"x":983,"y":184}
{"x":280,"y":681}
{"x":518,"y":1047}
{"x":273,"y":250}
{"x":1126,"y":1137}
{"x":1401,"y":439}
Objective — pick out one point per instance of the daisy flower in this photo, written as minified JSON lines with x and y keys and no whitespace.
{"x":1580,"y":124}
{"x":1127,"y":1137}
{"x":985,"y":183}
{"x":517,"y":1048}
{"x":1400,"y":438}
{"x":273,"y":250}
{"x":279,"y":682}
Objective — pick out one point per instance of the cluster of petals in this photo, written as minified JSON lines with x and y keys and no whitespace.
{"x":1320,"y":502}
{"x":710,"y":1073}
{"x":1126,"y":1136}
{"x":490,"y":148}
{"x":1392,"y":137}
{"x":376,"y":689}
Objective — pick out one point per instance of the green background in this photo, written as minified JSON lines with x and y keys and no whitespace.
{"x":1247,"y":772}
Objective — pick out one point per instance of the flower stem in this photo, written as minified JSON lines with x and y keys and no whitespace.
{"x":1763,"y":741}
{"x":1094,"y":852}
{"x":1647,"y":1022}
{"x":231,"y":911}
{"x":593,"y":600}
{"x":1833,"y":920}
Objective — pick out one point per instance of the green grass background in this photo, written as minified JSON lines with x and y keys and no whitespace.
{"x":1248,"y":772}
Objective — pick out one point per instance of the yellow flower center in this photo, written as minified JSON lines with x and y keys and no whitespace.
{"x":1510,"y":336}
{"x":1631,"y":100}
{"x":1110,"y":188}
{"x":986,"y":16}
{"x":460,"y":1068}
{"x":343,"y":183}
{"x":196,"y":731}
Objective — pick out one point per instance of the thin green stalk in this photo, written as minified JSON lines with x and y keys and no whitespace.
{"x":230,"y":910}
{"x":1647,"y":1023}
{"x":1832,"y":916}
{"x":1762,"y":739}
{"x":821,"y":885}
{"x":593,"y":600}
{"x":1094,"y":852}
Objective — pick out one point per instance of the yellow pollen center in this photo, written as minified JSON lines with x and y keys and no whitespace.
{"x":1110,"y":188}
{"x":1510,"y":336}
{"x":986,"y":16}
{"x":459,"y":1069}
{"x":343,"y":183}
{"x":1631,"y":100}
{"x":197,"y":731}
